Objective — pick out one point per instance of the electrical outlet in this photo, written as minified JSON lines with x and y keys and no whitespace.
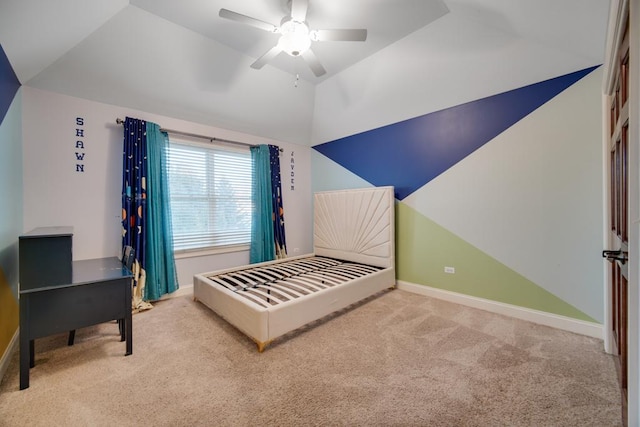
{"x":449,"y":270}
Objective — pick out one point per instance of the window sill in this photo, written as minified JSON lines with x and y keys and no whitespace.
{"x":194,"y":253}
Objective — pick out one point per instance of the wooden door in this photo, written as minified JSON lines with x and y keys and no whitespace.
{"x":618,"y":209}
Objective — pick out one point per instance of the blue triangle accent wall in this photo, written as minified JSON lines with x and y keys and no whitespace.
{"x":9,"y":84}
{"x":411,"y":153}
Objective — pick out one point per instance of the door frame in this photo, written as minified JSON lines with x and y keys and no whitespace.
{"x":619,"y":10}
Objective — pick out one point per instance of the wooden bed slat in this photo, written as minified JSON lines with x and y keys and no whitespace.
{"x":251,"y":277}
{"x":255,"y":299}
{"x":232,"y":279}
{"x":223,"y":283}
{"x":303,"y":290}
{"x":271,"y":288}
{"x":287,"y":289}
{"x":271,"y":285}
{"x":308,"y":282}
{"x":267,"y":274}
{"x":326,"y":278}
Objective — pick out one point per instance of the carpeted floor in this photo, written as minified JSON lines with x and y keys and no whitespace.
{"x":397,"y":359}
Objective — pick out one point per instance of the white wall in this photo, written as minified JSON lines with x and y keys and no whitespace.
{"x":453,"y":60}
{"x":554,"y":247}
{"x":55,"y":193}
{"x":11,"y":192}
{"x":531,"y":198}
{"x":145,"y":62}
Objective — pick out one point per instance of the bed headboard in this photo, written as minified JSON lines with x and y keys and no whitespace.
{"x":356,"y":225}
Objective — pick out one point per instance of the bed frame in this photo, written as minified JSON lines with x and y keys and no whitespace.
{"x":353,"y":258}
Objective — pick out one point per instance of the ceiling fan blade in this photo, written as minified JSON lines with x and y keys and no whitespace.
{"x":244,"y":19}
{"x":268,"y":56}
{"x":299,"y":10}
{"x":313,"y":62}
{"x":340,"y":35}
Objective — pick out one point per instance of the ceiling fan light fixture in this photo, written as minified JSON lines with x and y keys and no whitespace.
{"x":295,"y":38}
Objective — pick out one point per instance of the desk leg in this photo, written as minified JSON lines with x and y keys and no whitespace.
{"x":128,"y":319}
{"x":26,"y":345}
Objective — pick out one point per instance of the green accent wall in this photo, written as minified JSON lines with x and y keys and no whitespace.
{"x":423,"y":249}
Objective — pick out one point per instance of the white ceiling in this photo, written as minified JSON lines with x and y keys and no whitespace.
{"x":179,"y":58}
{"x":379,"y":17}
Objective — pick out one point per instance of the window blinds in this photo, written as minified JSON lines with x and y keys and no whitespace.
{"x":210,"y":191}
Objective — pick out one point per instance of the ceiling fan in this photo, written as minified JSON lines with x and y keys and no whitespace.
{"x":295,"y":35}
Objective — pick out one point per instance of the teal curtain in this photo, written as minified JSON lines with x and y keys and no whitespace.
{"x":262,"y":240}
{"x":160,"y":264}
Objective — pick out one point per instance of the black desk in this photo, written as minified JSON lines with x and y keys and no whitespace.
{"x":100,"y":292}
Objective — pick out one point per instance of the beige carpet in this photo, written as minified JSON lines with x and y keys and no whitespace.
{"x":398,"y":359}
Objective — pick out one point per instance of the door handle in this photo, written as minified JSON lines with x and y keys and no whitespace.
{"x":618,"y":255}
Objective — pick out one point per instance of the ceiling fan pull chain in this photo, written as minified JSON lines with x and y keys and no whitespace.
{"x":296,"y":82}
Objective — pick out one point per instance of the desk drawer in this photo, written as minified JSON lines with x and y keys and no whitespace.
{"x":64,"y":309}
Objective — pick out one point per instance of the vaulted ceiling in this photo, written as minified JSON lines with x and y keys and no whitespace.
{"x":179,"y":58}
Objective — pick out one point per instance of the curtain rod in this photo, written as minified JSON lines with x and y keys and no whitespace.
{"x":194,"y":135}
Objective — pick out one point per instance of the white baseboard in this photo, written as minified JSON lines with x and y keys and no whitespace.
{"x":6,"y":357}
{"x":182,"y":291}
{"x":581,"y":327}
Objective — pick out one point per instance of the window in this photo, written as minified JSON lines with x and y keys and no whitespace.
{"x":210,"y":192}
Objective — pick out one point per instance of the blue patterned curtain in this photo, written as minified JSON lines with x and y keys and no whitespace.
{"x":134,"y":187}
{"x":142,"y":218}
{"x":161,"y":269}
{"x":262,"y":247}
{"x":267,"y":225}
{"x":276,"y":201}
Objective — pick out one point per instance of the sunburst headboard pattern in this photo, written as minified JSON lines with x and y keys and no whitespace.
{"x":356,"y":225}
